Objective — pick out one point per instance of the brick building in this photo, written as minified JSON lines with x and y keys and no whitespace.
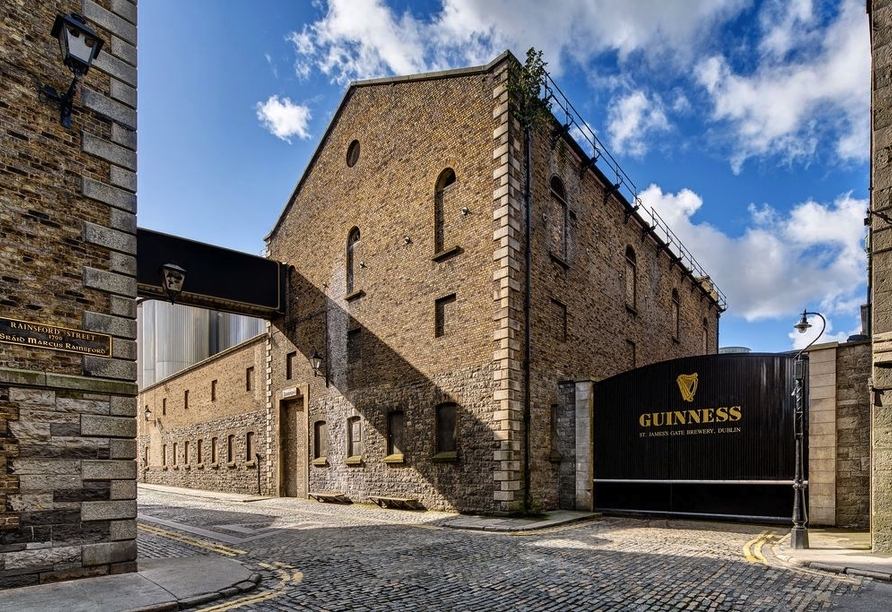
{"x":204,"y":427}
{"x":405,"y":240}
{"x":67,"y":307}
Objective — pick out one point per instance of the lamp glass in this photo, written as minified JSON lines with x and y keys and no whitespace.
{"x":77,"y":42}
{"x":316,"y":361}
{"x":803,"y":324}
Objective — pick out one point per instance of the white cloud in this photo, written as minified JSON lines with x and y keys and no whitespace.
{"x":365,"y":38}
{"x":787,"y":107}
{"x":811,"y":254}
{"x":809,"y":86}
{"x":631,"y":122}
{"x":283,"y":118}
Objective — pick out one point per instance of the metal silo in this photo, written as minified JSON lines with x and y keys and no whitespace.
{"x":181,"y":337}
{"x":145,"y":342}
{"x":233,"y":329}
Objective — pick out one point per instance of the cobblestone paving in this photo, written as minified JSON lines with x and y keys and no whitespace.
{"x":337,"y":558}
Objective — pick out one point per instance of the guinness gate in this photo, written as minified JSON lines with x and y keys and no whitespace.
{"x":708,"y":436}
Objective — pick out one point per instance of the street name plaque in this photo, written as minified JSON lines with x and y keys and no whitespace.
{"x":40,"y":335}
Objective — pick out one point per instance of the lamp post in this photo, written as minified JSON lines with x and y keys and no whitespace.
{"x":799,"y":533}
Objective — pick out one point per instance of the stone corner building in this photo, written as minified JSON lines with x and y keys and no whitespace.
{"x":405,"y":240}
{"x":67,"y":262}
{"x":880,"y":282}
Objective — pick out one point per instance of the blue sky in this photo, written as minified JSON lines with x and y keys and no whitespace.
{"x":744,"y":124}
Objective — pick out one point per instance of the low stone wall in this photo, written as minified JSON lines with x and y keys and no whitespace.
{"x":853,"y":436}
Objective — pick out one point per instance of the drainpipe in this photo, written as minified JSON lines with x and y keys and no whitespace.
{"x":527,"y":308}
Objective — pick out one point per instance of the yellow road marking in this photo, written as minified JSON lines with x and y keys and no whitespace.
{"x":285,"y":578}
{"x":752,"y":550}
{"x":178,"y":537}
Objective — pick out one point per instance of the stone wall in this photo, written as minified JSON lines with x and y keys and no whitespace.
{"x":880,"y":24}
{"x":853,"y":436}
{"x":68,"y":222}
{"x":186,"y":422}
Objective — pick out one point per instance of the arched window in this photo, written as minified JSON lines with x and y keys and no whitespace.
{"x":631,"y":278}
{"x":230,"y":448}
{"x":249,"y":446}
{"x":446,"y":178}
{"x":556,"y":219}
{"x":352,"y":259}
{"x":676,"y":308}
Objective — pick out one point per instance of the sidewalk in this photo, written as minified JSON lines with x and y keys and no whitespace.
{"x":158,"y":584}
{"x":837,"y":550}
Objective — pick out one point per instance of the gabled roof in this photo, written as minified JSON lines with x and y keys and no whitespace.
{"x":426,"y":76}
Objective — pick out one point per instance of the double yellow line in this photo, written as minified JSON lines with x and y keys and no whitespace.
{"x":220,"y":549}
{"x":287,"y":576}
{"x":752,"y":550}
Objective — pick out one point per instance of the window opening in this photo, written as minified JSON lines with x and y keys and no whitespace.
{"x":631,"y":278}
{"x":444,"y":315}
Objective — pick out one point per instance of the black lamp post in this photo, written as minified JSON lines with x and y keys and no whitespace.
{"x":799,"y":533}
{"x":79,"y":45}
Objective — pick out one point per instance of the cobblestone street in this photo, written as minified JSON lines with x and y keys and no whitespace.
{"x":316,"y":556}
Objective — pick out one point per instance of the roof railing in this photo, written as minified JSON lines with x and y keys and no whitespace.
{"x":598,"y":156}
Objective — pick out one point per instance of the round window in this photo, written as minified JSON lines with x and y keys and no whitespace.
{"x":353,"y":153}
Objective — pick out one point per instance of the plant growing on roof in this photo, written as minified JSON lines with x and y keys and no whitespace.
{"x":526,"y":85}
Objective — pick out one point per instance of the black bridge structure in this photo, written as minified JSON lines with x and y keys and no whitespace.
{"x":216,"y":278}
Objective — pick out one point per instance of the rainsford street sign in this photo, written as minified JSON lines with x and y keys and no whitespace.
{"x":39,"y":335}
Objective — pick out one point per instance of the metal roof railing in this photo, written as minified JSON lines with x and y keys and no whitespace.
{"x":577,"y":128}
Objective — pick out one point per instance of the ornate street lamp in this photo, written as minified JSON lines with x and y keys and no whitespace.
{"x":799,"y":533}
{"x":79,"y":46}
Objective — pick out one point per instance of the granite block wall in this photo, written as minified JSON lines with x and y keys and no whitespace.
{"x":68,"y":223}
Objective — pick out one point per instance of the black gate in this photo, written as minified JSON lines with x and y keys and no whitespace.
{"x":707,"y":436}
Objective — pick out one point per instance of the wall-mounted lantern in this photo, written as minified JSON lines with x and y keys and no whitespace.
{"x":316,"y":361}
{"x":172,"y":279}
{"x":147,"y":413}
{"x":79,"y":46}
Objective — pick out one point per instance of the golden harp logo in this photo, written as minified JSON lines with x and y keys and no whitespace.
{"x":687,"y":384}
